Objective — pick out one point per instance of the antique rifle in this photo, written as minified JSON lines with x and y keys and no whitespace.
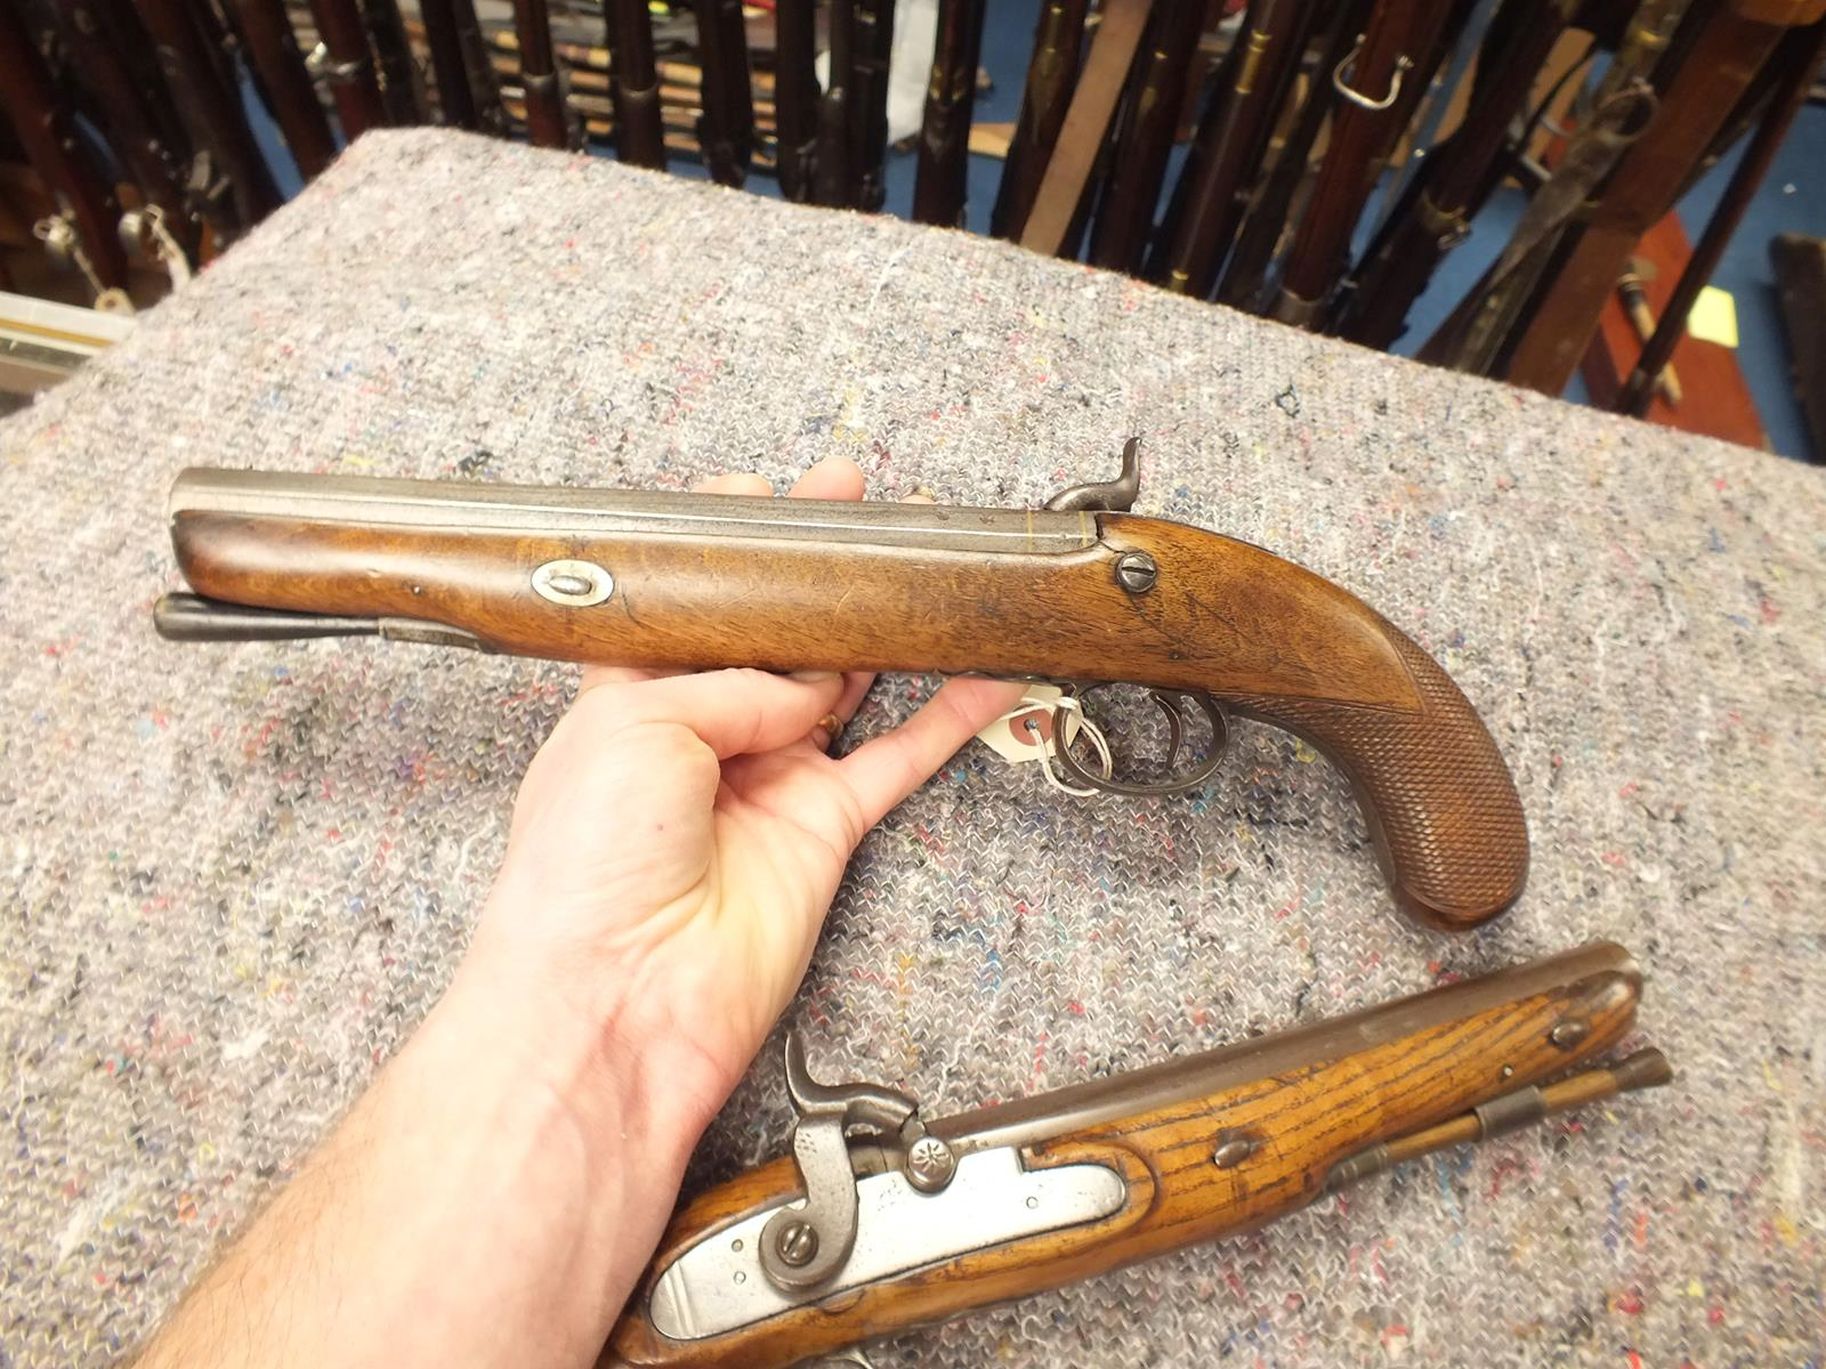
{"x":1051,"y":74}
{"x":1437,"y":213}
{"x":1245,"y":274}
{"x":1791,"y":74}
{"x":944,"y":134}
{"x":1201,"y":226}
{"x":639,"y":130}
{"x":45,"y":127}
{"x":129,"y":105}
{"x":210,"y":105}
{"x":1080,"y":592}
{"x":1150,"y":121}
{"x":873,"y":52}
{"x":541,"y":91}
{"x":401,"y":89}
{"x":881,"y":1219}
{"x":347,"y":67}
{"x":272,"y":51}
{"x":1377,"y":86}
{"x":449,"y":65}
{"x":1726,"y":57}
{"x":726,"y":130}
{"x":834,"y":177}
{"x":796,"y":96}
{"x":1624,"y":104}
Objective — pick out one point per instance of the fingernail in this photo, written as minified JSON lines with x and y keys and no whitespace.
{"x":813,"y":676}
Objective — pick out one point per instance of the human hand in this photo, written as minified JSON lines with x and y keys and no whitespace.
{"x":494,"y":1195}
{"x":678,"y":839}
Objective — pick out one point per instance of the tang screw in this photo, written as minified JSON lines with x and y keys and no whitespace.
{"x":930,"y":1164}
{"x":1136,"y":572}
{"x":797,"y":1244}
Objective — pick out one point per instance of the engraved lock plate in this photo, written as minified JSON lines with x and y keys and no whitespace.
{"x":718,"y":1285}
{"x":575,"y":584}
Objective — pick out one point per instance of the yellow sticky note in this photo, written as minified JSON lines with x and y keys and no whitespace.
{"x":1714,"y":317}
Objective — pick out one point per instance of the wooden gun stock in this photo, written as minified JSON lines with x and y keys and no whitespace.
{"x":1124,"y":1168}
{"x":1085,"y":595}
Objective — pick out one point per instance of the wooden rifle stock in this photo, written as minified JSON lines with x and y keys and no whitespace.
{"x":1376,"y":89}
{"x":726,"y":129}
{"x":834,"y":181}
{"x":700,"y":581}
{"x":1265,"y":219}
{"x":796,"y":96}
{"x":1199,"y":230}
{"x":640,"y":136}
{"x":272,"y":50}
{"x":210,"y":105}
{"x":1150,"y":122}
{"x":1059,"y":1187}
{"x":1051,"y":74}
{"x":130,"y":108}
{"x":1727,"y":55}
{"x":349,"y":68}
{"x":541,"y":91}
{"x":944,"y":135}
{"x":1441,"y":200}
{"x":873,"y":51}
{"x":1793,"y":67}
{"x":46,"y":131}
{"x":401,"y":94}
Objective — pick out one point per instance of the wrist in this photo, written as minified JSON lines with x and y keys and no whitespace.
{"x":604,"y":1047}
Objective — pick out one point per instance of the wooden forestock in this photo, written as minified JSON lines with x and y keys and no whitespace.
{"x":1298,"y":1103}
{"x":1269,"y":639}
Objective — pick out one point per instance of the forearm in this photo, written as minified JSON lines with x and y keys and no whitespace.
{"x":491,"y":1200}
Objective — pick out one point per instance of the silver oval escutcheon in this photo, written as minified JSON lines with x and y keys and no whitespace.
{"x":575,"y":584}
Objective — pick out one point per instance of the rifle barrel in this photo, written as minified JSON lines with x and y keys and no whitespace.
{"x":449,"y":69}
{"x":1230,"y":142}
{"x":47,"y":131}
{"x":639,"y":135}
{"x":349,"y":71}
{"x":1150,"y":121}
{"x":129,"y":109}
{"x":272,"y":49}
{"x":869,"y":100}
{"x":1051,"y":75}
{"x":212,"y":106}
{"x":834,"y":181}
{"x":1453,"y":175}
{"x":796,"y":95}
{"x":545,"y":120}
{"x":1376,"y":88}
{"x":941,"y":181}
{"x":726,"y":131}
{"x":400,"y":92}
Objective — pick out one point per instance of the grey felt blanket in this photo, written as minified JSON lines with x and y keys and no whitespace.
{"x":232,"y":879}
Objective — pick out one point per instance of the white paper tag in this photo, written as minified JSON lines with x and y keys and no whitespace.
{"x":1024,"y":733}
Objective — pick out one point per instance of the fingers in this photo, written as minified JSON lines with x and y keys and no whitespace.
{"x":882,"y":772}
{"x":736,"y":712}
{"x":835,"y":477}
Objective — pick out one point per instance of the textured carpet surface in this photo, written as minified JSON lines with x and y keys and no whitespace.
{"x":234,"y":878}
